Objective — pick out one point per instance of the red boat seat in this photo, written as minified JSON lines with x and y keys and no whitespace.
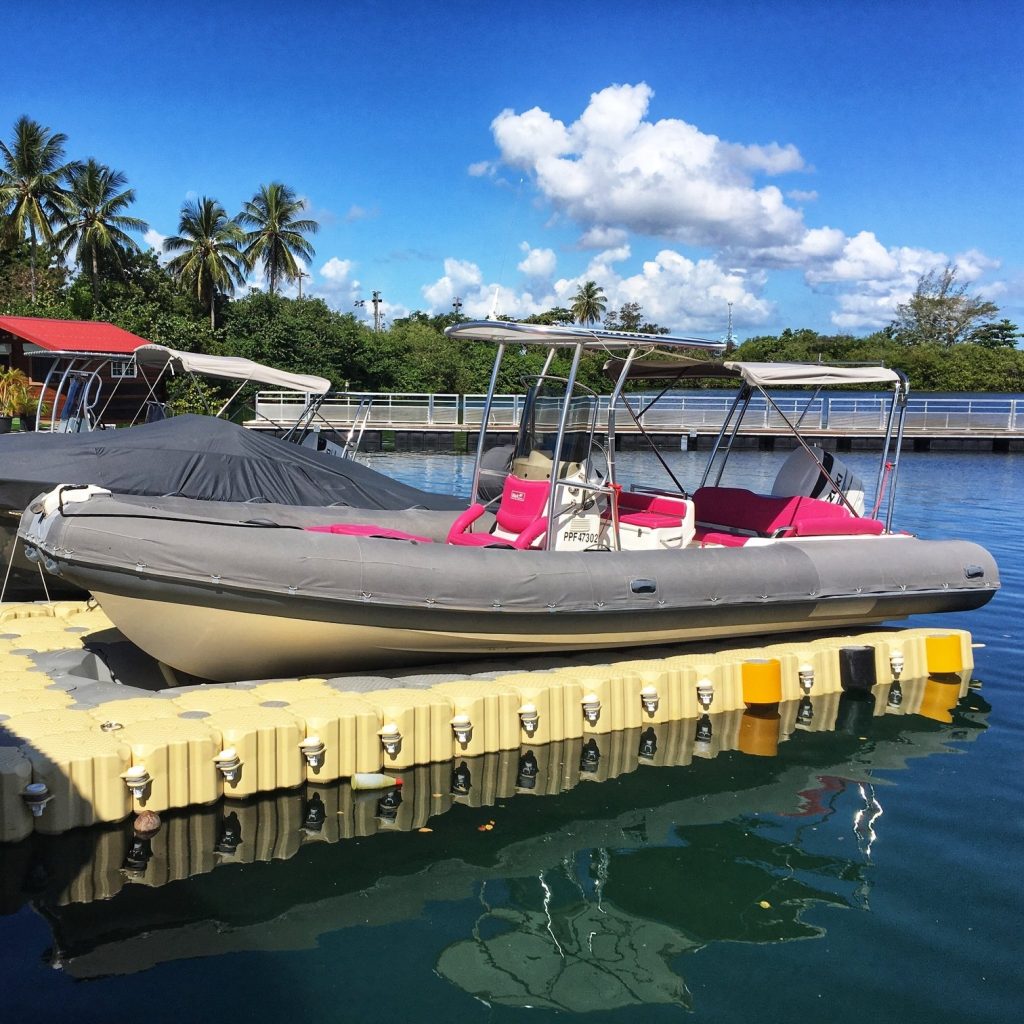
{"x":731,"y":511}
{"x":724,"y":540}
{"x":652,"y":511}
{"x":520,"y":516}
{"x":368,"y":530}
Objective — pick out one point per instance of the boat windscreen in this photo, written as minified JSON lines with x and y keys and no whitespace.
{"x":542,"y":412}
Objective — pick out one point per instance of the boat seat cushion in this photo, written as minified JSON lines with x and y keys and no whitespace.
{"x":725,"y":540}
{"x":651,"y":520}
{"x":368,"y":530}
{"x":653,"y":511}
{"x":519,"y":520}
{"x":523,"y":502}
{"x":737,"y":510}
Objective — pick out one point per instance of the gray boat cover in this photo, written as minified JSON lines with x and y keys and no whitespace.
{"x":198,"y":457}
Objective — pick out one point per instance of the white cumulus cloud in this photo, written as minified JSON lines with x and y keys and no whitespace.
{"x":614,"y":168}
{"x":603,"y":238}
{"x":537,"y":263}
{"x":337,"y":270}
{"x":615,"y":173}
{"x":337,"y":286}
{"x":674,"y":291}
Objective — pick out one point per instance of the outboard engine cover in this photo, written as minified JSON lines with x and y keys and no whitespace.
{"x":801,"y":476}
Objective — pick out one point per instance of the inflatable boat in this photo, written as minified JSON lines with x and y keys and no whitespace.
{"x":206,"y":457}
{"x":563,"y":559}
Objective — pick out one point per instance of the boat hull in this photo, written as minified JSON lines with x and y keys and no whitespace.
{"x":225,"y":644}
{"x":219,"y":597}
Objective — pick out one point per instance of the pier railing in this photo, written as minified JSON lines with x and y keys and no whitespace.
{"x":676,"y":414}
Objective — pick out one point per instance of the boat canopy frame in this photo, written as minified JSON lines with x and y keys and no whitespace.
{"x":578,"y":340}
{"x":82,"y":368}
{"x":755,"y":378}
{"x":662,"y":357}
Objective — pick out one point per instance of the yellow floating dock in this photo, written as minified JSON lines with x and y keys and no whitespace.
{"x":79,"y":747}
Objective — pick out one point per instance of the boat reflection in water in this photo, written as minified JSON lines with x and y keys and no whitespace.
{"x":579,"y":902}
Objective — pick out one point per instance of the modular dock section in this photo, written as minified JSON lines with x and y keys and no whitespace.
{"x":80,"y":745}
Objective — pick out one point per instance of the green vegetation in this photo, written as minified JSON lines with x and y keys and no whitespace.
{"x":53,"y":209}
{"x":588,"y":304}
{"x":209,"y":261}
{"x":940,"y":312}
{"x":277,"y":236}
{"x":30,"y":186}
{"x":15,"y":393}
{"x":94,"y":230}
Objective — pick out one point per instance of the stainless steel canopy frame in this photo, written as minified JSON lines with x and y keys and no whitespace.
{"x":891,"y":445}
{"x":637,"y":355}
{"x":577,"y":340}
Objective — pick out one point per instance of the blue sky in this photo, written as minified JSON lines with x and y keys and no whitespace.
{"x":804,"y":161}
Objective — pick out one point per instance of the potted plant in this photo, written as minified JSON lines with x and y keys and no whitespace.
{"x":33,"y":407}
{"x":15,"y":395}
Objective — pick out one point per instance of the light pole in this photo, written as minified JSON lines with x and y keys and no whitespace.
{"x":457,"y":306}
{"x":376,"y":300}
{"x":301,"y":274}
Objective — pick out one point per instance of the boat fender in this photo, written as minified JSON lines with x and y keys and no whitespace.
{"x":857,"y":668}
{"x":942,"y":652}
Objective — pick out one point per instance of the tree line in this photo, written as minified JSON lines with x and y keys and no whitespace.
{"x":75,"y":210}
{"x":68,"y":251}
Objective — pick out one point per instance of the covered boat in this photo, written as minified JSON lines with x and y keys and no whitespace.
{"x":564,"y":559}
{"x":204,"y":457}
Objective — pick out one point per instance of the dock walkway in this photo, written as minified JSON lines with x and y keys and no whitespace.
{"x":949,"y":423}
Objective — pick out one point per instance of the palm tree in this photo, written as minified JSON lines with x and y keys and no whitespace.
{"x":95,"y":226}
{"x":30,"y":184}
{"x":211,"y":260}
{"x":588,"y":304}
{"x":277,"y":237}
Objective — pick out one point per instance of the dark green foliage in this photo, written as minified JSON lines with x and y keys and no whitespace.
{"x":303,"y":335}
{"x":941,"y":312}
{"x":1003,"y":334}
{"x":588,"y":304}
{"x":277,"y":239}
{"x":556,"y":316}
{"x":16,"y":279}
{"x":631,"y":318}
{"x":929,"y":367}
{"x":190,"y":394}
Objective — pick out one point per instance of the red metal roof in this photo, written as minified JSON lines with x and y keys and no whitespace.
{"x":72,"y":335}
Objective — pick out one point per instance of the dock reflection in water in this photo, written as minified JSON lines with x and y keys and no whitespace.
{"x":582,"y":901}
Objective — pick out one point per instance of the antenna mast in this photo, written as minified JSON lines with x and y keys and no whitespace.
{"x":730,"y":338}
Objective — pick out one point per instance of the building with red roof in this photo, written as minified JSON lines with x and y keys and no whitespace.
{"x":98,"y":354}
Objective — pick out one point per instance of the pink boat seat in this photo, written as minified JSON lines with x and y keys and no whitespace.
{"x":730,"y":511}
{"x":520,"y":513}
{"x":651,"y":520}
{"x":368,"y":530}
{"x":652,"y":511}
{"x":724,"y":540}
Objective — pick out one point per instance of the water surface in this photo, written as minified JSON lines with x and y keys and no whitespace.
{"x":872,"y":872}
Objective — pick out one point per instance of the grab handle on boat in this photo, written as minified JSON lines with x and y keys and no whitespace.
{"x":643,"y":586}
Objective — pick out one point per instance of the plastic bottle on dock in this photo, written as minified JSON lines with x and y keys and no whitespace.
{"x":374,"y":780}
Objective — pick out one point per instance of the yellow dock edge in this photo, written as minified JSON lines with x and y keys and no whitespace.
{"x":64,"y":764}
